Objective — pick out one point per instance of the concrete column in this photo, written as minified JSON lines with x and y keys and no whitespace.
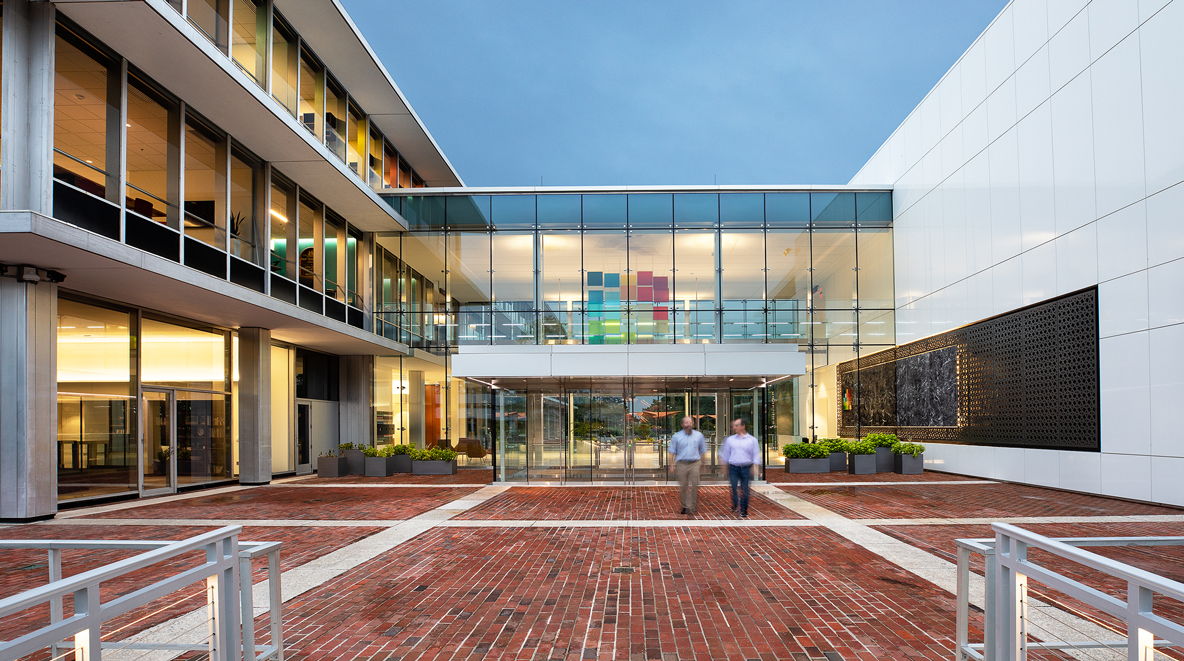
{"x":534,"y":426}
{"x":254,"y":405}
{"x":28,"y":397}
{"x":27,"y":124}
{"x":356,"y":398}
{"x":416,"y":414}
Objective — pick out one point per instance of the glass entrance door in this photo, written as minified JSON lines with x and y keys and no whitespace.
{"x":159,"y":447}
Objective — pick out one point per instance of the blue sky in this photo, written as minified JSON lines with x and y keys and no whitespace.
{"x":646,"y":92}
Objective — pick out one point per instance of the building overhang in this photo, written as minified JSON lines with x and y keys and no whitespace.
{"x":193,"y":68}
{"x":694,"y":361}
{"x":97,"y":266}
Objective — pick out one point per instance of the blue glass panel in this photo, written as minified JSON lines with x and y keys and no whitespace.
{"x":512,"y":211}
{"x":692,"y":210}
{"x":834,"y":209}
{"x":612,"y":299}
{"x":874,"y":209}
{"x":741,"y":209}
{"x":787,"y":209}
{"x":651,"y":210}
{"x":596,"y":297}
{"x":612,"y":279}
{"x":604,"y":210}
{"x":423,"y":212}
{"x":595,"y":279}
{"x":559,"y":211}
{"x":468,"y":212}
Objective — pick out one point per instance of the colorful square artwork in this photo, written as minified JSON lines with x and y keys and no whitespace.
{"x":595,"y":279}
{"x":612,"y":280}
{"x":661,"y":313}
{"x":645,"y":293}
{"x":645,"y":278}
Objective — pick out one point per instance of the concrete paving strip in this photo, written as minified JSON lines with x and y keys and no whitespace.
{"x":323,"y":485}
{"x":144,"y":502}
{"x":1057,"y":624}
{"x":298,"y":580}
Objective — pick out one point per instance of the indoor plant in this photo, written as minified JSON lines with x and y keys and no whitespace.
{"x":435,"y":461}
{"x":332,"y":465}
{"x":400,"y":457}
{"x":909,"y":458}
{"x":354,"y":457}
{"x":806,"y":458}
{"x":837,"y":448}
{"x":861,"y":457}
{"x":883,"y":443}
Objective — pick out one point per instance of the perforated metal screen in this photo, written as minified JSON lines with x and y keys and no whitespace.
{"x":1028,"y":378}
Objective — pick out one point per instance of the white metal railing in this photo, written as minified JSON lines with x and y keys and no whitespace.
{"x":230,"y":633}
{"x":1011,"y":618}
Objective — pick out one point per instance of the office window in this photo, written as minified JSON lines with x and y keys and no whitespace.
{"x":210,"y":16}
{"x":417,"y":181}
{"x":283,"y":228}
{"x":390,"y":167}
{"x":285,"y":65}
{"x":375,"y":160}
{"x":205,"y":184}
{"x":312,"y":95}
{"x":311,"y":217}
{"x":356,"y":139}
{"x":354,"y":267}
{"x":404,"y":173}
{"x":244,"y":178}
{"x":335,"y":114}
{"x":250,"y":37}
{"x":334,"y":258}
{"x":86,"y":118}
{"x":153,"y":153}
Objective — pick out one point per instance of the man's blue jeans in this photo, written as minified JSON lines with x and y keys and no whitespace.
{"x":741,"y":475}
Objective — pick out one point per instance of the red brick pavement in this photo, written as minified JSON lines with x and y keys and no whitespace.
{"x":693,"y":593}
{"x":26,"y":569}
{"x":463,"y":476}
{"x":775,"y":475}
{"x":972,"y":500}
{"x":300,"y":503}
{"x":616,"y":504}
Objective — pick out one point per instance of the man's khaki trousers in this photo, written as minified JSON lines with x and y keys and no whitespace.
{"x":687,"y":473}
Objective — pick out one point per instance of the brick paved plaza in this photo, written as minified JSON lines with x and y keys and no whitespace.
{"x":384,"y":569}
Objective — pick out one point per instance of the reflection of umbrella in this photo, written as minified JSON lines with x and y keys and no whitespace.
{"x":659,"y":414}
{"x":513,"y":416}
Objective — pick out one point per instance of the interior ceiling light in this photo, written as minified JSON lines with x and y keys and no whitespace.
{"x":279,"y":215}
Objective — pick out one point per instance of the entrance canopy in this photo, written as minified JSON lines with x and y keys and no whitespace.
{"x":751,"y":362}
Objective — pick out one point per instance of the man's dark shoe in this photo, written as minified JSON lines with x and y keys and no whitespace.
{"x":684,"y":511}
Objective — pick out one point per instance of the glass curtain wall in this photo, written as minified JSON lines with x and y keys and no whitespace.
{"x":808,"y":269}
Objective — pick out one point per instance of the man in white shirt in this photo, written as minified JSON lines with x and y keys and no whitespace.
{"x":687,"y":448}
{"x":740,"y":453}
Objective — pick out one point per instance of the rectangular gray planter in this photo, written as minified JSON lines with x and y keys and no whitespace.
{"x":907,"y":464}
{"x":838,"y":461}
{"x":401,"y":463}
{"x":379,"y":466}
{"x":433,"y":467}
{"x":884,"y":461}
{"x":332,"y":467}
{"x":861,"y":464}
{"x":819,"y":465}
{"x":356,"y":460}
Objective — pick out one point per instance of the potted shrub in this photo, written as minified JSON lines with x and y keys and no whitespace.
{"x":806,"y":458}
{"x":354,"y":457}
{"x":883,"y":443}
{"x":435,"y":461}
{"x":837,"y":448}
{"x":331,"y":465}
{"x":400,"y":458}
{"x":377,"y":463}
{"x":861,"y":457}
{"x":909,"y":458}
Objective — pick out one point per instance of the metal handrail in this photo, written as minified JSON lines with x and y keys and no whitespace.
{"x":157,"y":551}
{"x":1065,"y":547}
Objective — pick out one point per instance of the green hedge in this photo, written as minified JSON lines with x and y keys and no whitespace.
{"x":882,"y":440}
{"x":861,"y":447}
{"x":804,"y":451}
{"x":914,"y":449}
{"x":433,"y":454}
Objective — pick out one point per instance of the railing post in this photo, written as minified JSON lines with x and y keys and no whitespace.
{"x":247,"y":605}
{"x":55,"y":604}
{"x":961,"y":637}
{"x":1139,"y":642}
{"x":1010,"y":599}
{"x":275,"y":602}
{"x":990,"y":559}
{"x":88,"y":644}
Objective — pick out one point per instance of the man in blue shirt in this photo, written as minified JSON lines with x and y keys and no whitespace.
{"x":687,"y":448}
{"x":740,"y":453}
